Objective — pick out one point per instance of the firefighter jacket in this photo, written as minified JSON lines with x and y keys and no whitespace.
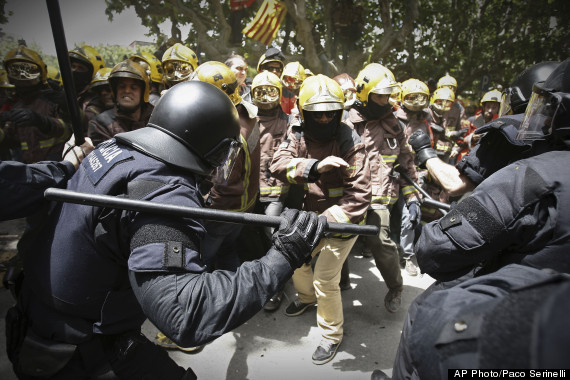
{"x":109,"y":123}
{"x":35,"y":144}
{"x":386,"y":146}
{"x":341,"y":194}
{"x":413,"y":121}
{"x":272,"y":130}
{"x":240,"y":191}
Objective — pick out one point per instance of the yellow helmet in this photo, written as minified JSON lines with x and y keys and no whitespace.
{"x":4,"y":83}
{"x":447,"y":81}
{"x":221,"y":76}
{"x":101,"y":77}
{"x":293,"y":75}
{"x":150,"y":63}
{"x":266,"y":90}
{"x":415,"y":94}
{"x":54,"y":74}
{"x":88,"y":56}
{"x":376,"y":79}
{"x":492,"y":96}
{"x":129,"y":69}
{"x":178,"y":63}
{"x":308,"y":73}
{"x":442,"y":99}
{"x":320,"y":93}
{"x":24,"y":64}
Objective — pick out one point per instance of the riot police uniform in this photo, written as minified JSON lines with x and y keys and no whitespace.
{"x":93,"y":278}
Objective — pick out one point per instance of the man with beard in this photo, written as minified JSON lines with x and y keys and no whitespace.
{"x":130,"y":87}
{"x":329,"y":158}
{"x":385,"y":141}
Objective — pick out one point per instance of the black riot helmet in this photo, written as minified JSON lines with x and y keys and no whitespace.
{"x":548,"y":110}
{"x":194,"y":126}
{"x":516,"y":97}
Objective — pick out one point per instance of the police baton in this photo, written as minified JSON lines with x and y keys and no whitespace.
{"x":443,"y":207}
{"x":65,"y":69}
{"x":109,"y":201}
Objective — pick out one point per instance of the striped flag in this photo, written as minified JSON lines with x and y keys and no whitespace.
{"x":266,"y":22}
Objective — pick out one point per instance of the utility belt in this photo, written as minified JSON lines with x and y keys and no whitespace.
{"x":129,"y":355}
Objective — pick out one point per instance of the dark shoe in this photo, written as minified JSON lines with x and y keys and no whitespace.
{"x":274,"y":302}
{"x":411,"y":268}
{"x":325,"y":352}
{"x":393,"y":300}
{"x":366,"y":252}
{"x":379,"y":375}
{"x":297,"y":308}
{"x":345,"y":285}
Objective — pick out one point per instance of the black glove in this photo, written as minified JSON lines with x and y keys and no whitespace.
{"x":421,"y":144}
{"x":24,"y":117}
{"x":415,"y":212}
{"x":298,"y":235}
{"x":437,"y":128}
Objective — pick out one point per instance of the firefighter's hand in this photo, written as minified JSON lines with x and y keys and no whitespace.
{"x":298,"y":235}
{"x":75,"y":154}
{"x":421,"y":145}
{"x":330,"y":163}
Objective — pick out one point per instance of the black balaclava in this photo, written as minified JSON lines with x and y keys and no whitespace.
{"x":319,"y":131}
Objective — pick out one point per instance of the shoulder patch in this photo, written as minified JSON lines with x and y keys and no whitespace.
{"x":534,"y":186}
{"x":103,"y":158}
{"x":475,"y":214}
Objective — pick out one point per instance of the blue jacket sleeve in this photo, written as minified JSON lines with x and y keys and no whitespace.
{"x":22,"y":186}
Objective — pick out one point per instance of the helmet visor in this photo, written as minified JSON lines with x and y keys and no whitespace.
{"x":23,"y":71}
{"x":177,"y":71}
{"x":223,"y":157}
{"x":510,"y":94}
{"x":266,"y":94}
{"x":415,"y":102}
{"x":538,"y":120}
{"x":442,"y":105}
{"x":291,"y":83}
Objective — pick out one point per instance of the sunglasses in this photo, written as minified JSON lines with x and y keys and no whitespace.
{"x":319,"y":114}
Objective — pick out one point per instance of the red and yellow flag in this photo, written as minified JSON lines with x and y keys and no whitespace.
{"x":266,"y":22}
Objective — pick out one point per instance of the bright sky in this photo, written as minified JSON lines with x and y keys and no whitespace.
{"x":83,"y":21}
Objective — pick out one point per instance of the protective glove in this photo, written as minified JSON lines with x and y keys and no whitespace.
{"x":437,"y":128}
{"x":421,"y":144}
{"x":298,"y":235}
{"x":24,"y":117}
{"x":415,"y":212}
{"x":456,"y":135}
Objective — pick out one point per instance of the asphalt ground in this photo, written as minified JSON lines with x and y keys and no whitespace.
{"x":272,"y":345}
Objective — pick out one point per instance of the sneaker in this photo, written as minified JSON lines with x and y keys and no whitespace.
{"x":325,"y":352}
{"x":379,"y":375}
{"x":366,"y":252}
{"x":411,"y":268}
{"x":163,"y":341}
{"x":274,"y":302}
{"x":393,"y":300}
{"x":297,"y":308}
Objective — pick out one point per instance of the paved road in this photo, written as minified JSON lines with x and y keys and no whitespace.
{"x":274,"y":346}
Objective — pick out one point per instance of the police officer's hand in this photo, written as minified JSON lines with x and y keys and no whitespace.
{"x":298,"y":235}
{"x":415,"y":212}
{"x":421,"y":144}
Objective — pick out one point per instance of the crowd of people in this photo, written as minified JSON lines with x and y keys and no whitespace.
{"x":290,"y":143}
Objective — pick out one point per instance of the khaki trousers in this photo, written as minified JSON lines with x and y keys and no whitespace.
{"x":322,"y":285}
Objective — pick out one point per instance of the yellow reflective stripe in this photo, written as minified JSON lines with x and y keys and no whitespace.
{"x":428,"y":210}
{"x":336,"y":192}
{"x":445,"y":148}
{"x":407,"y":190}
{"x":47,"y":143}
{"x":292,"y":168}
{"x":24,"y":145}
{"x":384,"y":200}
{"x":265,"y":190}
{"x":389,"y":158}
{"x":306,"y":186}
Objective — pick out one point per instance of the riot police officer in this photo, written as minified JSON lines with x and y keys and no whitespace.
{"x":498,"y":145}
{"x":87,"y":292}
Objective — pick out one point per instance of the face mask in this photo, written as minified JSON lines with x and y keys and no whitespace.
{"x":375,"y":111}
{"x":319,"y":131}
{"x":80,"y":80}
